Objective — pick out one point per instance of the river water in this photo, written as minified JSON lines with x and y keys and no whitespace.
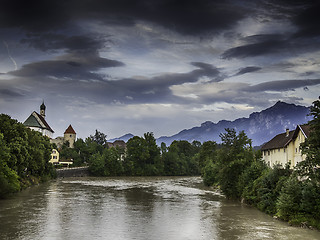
{"x":135,"y":208}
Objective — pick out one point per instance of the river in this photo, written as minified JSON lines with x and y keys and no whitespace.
{"x":177,"y":208}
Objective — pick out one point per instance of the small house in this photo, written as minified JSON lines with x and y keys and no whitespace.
{"x":285,"y":148}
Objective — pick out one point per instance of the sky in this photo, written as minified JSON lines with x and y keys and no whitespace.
{"x":161,"y":66}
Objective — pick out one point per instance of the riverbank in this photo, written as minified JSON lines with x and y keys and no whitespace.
{"x":25,"y":183}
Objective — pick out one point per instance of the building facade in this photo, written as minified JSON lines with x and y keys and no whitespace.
{"x":285,"y":148}
{"x":54,"y":157}
{"x":38,"y":123}
{"x":70,"y":136}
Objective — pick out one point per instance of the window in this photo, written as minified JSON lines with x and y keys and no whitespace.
{"x":284,"y":150}
{"x":54,"y":157}
{"x":54,"y":151}
{"x":70,"y":135}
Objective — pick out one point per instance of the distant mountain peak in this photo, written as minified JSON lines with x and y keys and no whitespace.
{"x":259,"y":126}
{"x":125,"y":138}
{"x":207,"y":124}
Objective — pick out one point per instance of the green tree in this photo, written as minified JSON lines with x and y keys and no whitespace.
{"x":207,"y":153}
{"x":234,"y":157}
{"x":143,"y":156}
{"x":100,"y":138}
{"x":310,"y":200}
{"x":67,"y":153}
{"x":210,"y":173}
{"x":16,"y":138}
{"x":39,"y":150}
{"x":268,"y":187}
{"x":163,"y":148}
{"x":288,"y":203}
{"x":9,"y":180}
{"x":113,"y":163}
{"x":182,"y":158}
{"x":152,"y":148}
{"x":97,"y":165}
{"x":248,"y":177}
{"x":24,"y":152}
{"x":172,"y":165}
{"x":311,"y":147}
{"x":137,"y":155}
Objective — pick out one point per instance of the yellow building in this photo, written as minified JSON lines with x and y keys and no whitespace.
{"x":54,"y":157}
{"x":285,"y":148}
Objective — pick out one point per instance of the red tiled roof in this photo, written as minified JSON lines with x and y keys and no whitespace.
{"x":70,"y":130}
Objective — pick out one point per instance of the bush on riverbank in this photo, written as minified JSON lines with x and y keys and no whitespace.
{"x":24,"y":156}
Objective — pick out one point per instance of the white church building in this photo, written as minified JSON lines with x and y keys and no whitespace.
{"x":38,"y":123}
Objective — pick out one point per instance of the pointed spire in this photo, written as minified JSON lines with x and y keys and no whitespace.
{"x":70,"y":130}
{"x":43,"y":109}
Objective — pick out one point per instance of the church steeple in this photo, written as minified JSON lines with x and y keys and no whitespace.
{"x":43,"y":110}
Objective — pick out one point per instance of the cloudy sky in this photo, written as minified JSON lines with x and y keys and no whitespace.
{"x":135,"y":66}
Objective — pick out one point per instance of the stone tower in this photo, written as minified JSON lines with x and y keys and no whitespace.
{"x":70,"y":136}
{"x":43,"y":110}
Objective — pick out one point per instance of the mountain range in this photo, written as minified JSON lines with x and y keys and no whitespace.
{"x":259,"y":126}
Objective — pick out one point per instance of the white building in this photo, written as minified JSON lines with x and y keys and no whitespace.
{"x":38,"y":123}
{"x":285,"y":148}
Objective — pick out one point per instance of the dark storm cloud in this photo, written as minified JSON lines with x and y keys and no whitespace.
{"x":34,"y":15}
{"x":184,"y":16}
{"x":256,"y":49}
{"x":51,"y":41}
{"x":69,"y":67}
{"x":308,"y":21}
{"x":304,"y":15}
{"x":157,"y":89}
{"x":194,"y":16}
{"x":9,"y":93}
{"x":282,"y":85}
{"x":125,"y":91}
{"x":247,"y":70}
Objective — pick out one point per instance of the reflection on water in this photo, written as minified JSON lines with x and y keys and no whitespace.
{"x":135,"y":208}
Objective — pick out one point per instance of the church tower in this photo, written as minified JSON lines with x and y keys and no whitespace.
{"x":70,"y":136}
{"x":43,"y":110}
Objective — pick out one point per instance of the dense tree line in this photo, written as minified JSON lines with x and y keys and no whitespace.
{"x":24,"y":156}
{"x":290,"y":194}
{"x":143,"y":157}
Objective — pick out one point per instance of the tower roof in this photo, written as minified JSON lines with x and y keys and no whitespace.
{"x":70,"y":130}
{"x":43,"y":107}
